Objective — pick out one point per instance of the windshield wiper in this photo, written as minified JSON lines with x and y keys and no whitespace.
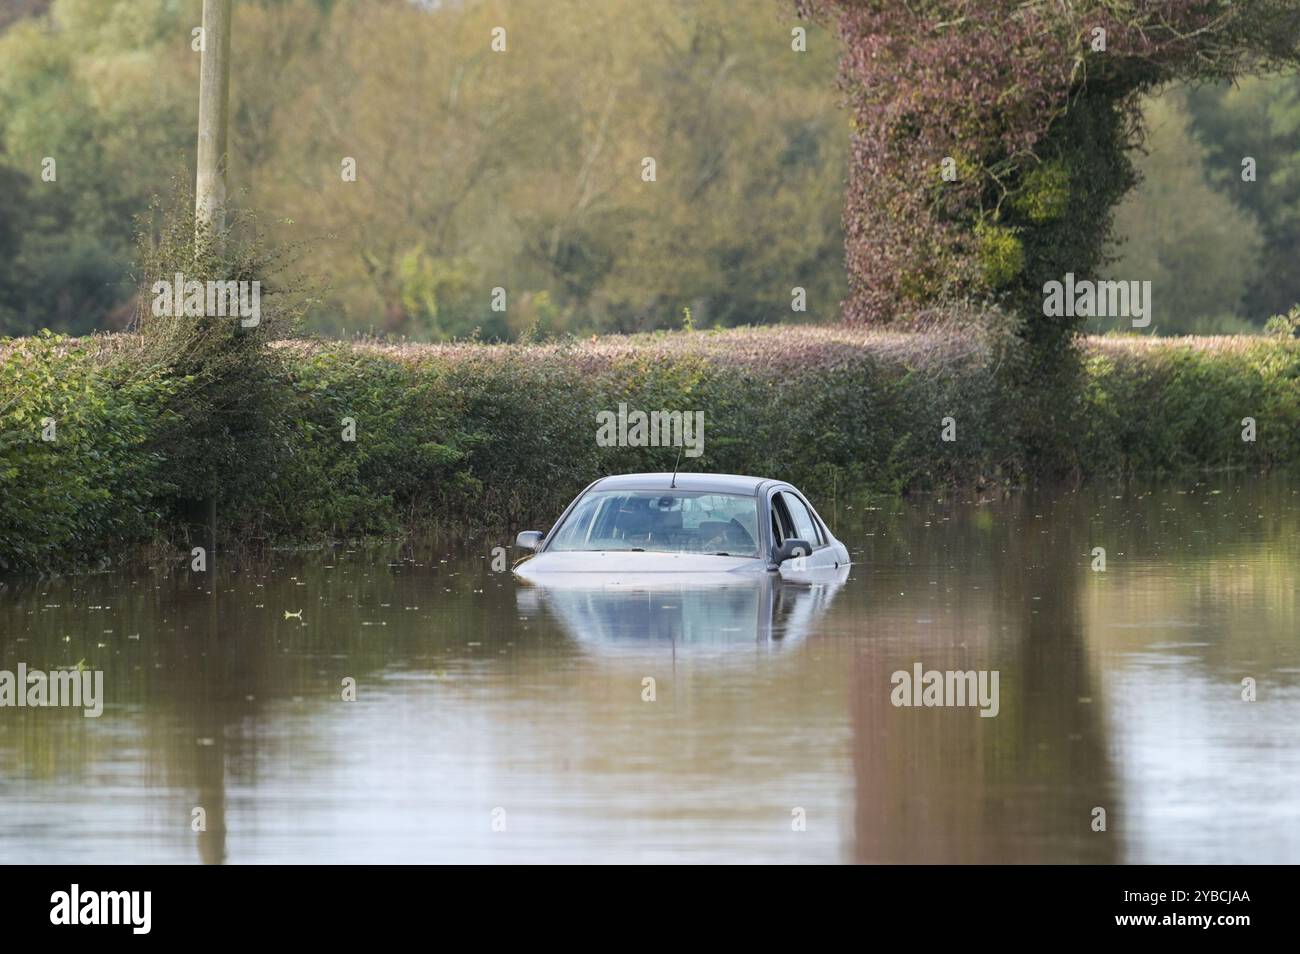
{"x":722,"y":553}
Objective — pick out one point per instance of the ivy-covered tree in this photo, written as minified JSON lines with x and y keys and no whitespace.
{"x":991,"y":138}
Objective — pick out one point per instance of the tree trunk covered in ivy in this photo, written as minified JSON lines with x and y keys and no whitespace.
{"x":1031,"y":108}
{"x":990,"y":147}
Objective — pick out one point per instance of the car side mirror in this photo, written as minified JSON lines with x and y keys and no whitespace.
{"x":529,"y":539}
{"x":791,"y":549}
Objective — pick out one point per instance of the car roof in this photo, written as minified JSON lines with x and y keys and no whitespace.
{"x":703,"y":483}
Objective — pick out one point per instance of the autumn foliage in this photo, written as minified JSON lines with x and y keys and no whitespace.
{"x":1034,"y":105}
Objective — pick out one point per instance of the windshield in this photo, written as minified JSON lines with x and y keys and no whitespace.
{"x":661,"y":521}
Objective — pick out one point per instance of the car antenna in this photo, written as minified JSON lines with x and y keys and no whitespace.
{"x":673,"y":484}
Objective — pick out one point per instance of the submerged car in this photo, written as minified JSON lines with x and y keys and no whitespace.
{"x":713,"y":527}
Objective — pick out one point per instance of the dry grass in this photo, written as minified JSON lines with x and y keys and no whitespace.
{"x":775,"y":346}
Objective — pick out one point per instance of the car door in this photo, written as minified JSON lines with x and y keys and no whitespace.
{"x":792,"y":518}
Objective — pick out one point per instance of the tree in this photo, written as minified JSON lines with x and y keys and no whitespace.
{"x":1258,"y":120}
{"x":474,"y":169}
{"x":1199,"y":250}
{"x":1037,"y":105}
{"x":106,"y":91}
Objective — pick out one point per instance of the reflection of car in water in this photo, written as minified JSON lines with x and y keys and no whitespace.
{"x":716,"y":526}
{"x":686,"y":613}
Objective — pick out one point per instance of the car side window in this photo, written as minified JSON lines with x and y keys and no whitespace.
{"x":805,"y":526}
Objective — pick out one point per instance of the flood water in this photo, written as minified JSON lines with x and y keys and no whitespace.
{"x":493,"y":721}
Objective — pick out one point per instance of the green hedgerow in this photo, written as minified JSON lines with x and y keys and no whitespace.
{"x":504,"y":435}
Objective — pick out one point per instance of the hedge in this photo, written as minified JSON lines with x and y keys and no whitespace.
{"x":476,"y":435}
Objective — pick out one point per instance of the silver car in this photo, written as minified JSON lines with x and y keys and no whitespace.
{"x":714,"y":527}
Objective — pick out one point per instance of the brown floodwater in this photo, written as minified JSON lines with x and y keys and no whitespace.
{"x":493,"y":721}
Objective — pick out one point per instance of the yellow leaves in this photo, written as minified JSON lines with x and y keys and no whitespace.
{"x":1000,"y":252}
{"x":1044,"y":194}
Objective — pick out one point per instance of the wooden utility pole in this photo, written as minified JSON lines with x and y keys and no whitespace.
{"x":210,"y":176}
{"x":214,"y":115}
